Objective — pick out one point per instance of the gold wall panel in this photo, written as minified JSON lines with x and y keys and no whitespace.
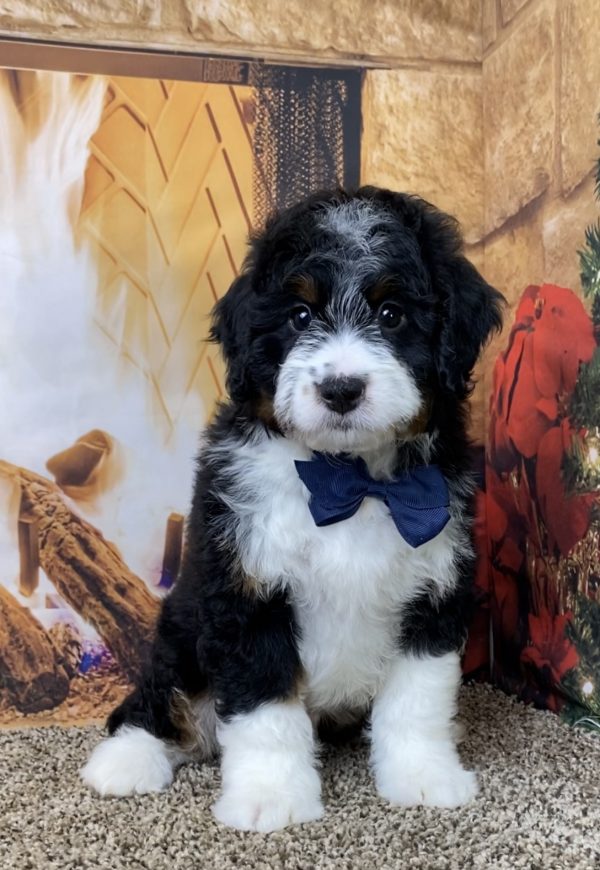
{"x":167,"y":208}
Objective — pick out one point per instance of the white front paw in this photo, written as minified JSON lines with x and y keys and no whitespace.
{"x":131,"y":762}
{"x":263,"y":811}
{"x":268,"y":772}
{"x":428,"y":781}
{"x":269,"y":792}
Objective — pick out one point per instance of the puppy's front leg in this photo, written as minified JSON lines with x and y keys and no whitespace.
{"x":413,"y":748}
{"x":269,"y":777}
{"x":268,"y":771}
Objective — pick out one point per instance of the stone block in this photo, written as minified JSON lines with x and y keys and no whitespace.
{"x":564,"y":225}
{"x":478,"y":406}
{"x":514,"y":258}
{"x":489,"y":23}
{"x":478,"y":402}
{"x":52,"y":14}
{"x":509,"y":8}
{"x":422,"y":133}
{"x":476,"y":255}
{"x":447,"y":29}
{"x":518,"y":118}
{"x":579,"y":89}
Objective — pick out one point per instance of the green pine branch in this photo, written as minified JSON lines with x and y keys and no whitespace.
{"x":582,"y":684}
{"x":585,"y":401}
{"x":581,"y":468}
{"x":589,"y":262}
{"x":598,"y":166}
{"x":581,"y":473}
{"x":589,"y":258}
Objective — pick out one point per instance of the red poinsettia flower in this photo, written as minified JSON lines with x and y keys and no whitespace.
{"x":551,"y":337}
{"x":550,"y":649}
{"x":567,"y":518}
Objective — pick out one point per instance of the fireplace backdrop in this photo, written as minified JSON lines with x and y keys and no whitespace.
{"x":129,"y":204}
{"x":125,"y":205}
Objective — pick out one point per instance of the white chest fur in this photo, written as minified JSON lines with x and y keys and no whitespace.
{"x":348,"y":581}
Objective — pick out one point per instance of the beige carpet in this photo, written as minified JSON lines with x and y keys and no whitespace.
{"x":539,"y":808}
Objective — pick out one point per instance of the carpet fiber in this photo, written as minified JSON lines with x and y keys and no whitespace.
{"x":539,"y":808}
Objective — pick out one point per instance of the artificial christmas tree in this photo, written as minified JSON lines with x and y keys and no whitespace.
{"x":543,"y":497}
{"x":582,"y":476}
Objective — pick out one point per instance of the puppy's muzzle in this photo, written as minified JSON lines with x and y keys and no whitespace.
{"x":342,"y":394}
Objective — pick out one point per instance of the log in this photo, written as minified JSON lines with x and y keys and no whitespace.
{"x":80,"y":463}
{"x":29,"y":555}
{"x":88,"y":571}
{"x":29,"y":667}
{"x":68,"y":643}
{"x":173,"y":550}
{"x":89,"y":467}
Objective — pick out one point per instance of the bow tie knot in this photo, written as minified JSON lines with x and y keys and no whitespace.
{"x":417,"y":500}
{"x":376,"y":488}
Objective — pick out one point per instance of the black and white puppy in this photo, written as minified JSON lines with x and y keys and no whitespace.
{"x":328,"y":561}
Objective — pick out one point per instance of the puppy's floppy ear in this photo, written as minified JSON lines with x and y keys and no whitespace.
{"x":231,"y":329}
{"x":469,"y":309}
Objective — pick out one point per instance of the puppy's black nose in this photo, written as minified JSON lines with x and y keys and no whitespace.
{"x":342,"y":394}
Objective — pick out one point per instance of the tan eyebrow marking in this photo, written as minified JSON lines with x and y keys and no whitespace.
{"x":305,"y":287}
{"x":382,"y":290}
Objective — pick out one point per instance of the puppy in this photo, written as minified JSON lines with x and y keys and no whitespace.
{"x":328,"y":561}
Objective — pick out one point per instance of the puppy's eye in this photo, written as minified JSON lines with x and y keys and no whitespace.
{"x":390,"y":316}
{"x":300,"y":317}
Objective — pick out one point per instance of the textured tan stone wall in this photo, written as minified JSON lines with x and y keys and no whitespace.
{"x":541,"y":96}
{"x":446,"y":30}
{"x":486,"y":107}
{"x":423,"y":133}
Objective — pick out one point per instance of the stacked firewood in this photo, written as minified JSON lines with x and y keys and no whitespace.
{"x":29,"y":664}
{"x":90,"y":574}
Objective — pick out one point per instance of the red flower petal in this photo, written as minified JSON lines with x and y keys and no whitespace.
{"x":548,"y":407}
{"x":550,"y":647}
{"x":526,"y":309}
{"x":504,"y":606}
{"x":497,"y":521}
{"x":526,"y":425}
{"x":563,"y":339}
{"x":570,"y":658}
{"x":546,"y":358}
{"x":511,"y":555}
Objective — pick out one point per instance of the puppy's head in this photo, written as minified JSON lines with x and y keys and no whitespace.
{"x":350,"y":312}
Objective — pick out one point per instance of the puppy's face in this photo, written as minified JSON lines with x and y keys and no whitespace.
{"x":356,"y":359}
{"x":340,"y":324}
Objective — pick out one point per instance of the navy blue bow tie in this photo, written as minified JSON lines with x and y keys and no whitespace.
{"x":417,"y":500}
